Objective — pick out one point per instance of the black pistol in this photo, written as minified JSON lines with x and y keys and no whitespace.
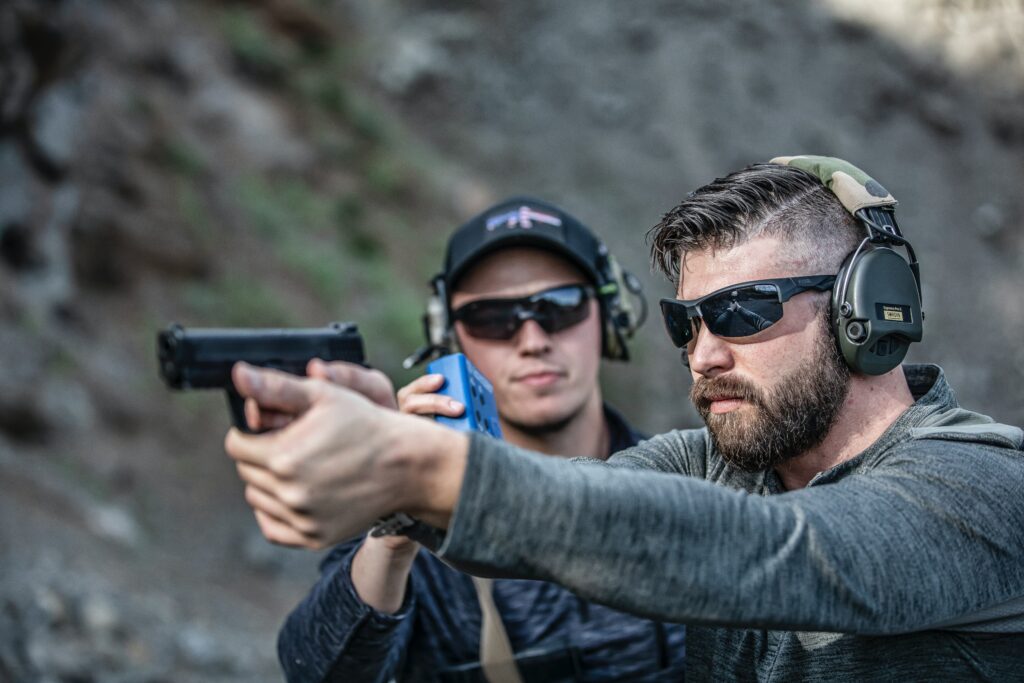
{"x":203,"y":358}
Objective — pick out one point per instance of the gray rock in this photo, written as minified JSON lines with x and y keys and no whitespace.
{"x":253,"y":126}
{"x":52,"y":605}
{"x":114,"y":523}
{"x":15,"y":187}
{"x":54,"y":125}
{"x":199,"y":648}
{"x":17,"y":72}
{"x":67,"y":403}
{"x":415,"y":60}
{"x":100,"y":617}
{"x":988,"y":220}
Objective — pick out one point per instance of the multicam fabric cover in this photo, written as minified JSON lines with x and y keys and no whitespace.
{"x":855,"y":188}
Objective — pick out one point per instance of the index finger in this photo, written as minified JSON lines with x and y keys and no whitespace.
{"x":273,"y":389}
{"x":372,"y":384}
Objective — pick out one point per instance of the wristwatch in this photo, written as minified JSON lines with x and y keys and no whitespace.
{"x":401,"y":524}
{"x":393,"y":525}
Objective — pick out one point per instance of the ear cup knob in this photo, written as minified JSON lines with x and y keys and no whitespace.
{"x":856,"y":332}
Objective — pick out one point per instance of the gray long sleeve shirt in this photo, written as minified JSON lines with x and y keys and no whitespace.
{"x":906,"y":562}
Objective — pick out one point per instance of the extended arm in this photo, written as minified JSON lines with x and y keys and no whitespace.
{"x":356,"y":622}
{"x":923,"y":540}
{"x":935,"y":534}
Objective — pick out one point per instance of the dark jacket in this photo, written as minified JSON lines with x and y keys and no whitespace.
{"x":435,"y":636}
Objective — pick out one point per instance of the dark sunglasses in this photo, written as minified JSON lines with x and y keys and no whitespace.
{"x":738,"y":310}
{"x":553,"y":309}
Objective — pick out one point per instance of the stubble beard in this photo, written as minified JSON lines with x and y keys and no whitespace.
{"x":781,"y":423}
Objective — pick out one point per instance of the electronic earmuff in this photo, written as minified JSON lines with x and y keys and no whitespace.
{"x":876,"y":308}
{"x":620,"y":319}
{"x":437,"y":326}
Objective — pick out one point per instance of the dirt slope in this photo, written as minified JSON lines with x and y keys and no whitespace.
{"x":282,"y":162}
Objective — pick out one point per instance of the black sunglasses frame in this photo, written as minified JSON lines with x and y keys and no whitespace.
{"x":681,"y":332}
{"x":527,"y":308}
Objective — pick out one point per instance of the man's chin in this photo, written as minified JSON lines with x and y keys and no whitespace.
{"x":541,"y":418}
{"x":735,"y":418}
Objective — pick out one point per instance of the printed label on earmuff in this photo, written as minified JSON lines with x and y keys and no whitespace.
{"x":894,"y":313}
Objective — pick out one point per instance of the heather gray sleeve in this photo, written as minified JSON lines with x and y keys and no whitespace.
{"x":334,"y":636}
{"x":933,"y":534}
{"x":678,"y":452}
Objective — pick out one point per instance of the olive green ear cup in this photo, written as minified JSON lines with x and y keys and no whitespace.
{"x":876,"y":300}
{"x":876,"y":310}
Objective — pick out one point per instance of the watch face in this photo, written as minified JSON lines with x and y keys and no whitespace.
{"x":394,"y":525}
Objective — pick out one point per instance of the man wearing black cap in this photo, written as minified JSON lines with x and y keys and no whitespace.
{"x":534,"y":300}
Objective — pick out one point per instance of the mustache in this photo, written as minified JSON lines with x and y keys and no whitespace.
{"x":705,"y":390}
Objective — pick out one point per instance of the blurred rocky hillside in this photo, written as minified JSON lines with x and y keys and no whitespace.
{"x":294,"y":162}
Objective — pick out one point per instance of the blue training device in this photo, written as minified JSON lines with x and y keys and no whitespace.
{"x":465,"y":383}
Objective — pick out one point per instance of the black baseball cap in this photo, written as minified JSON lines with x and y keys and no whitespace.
{"x":524,"y":222}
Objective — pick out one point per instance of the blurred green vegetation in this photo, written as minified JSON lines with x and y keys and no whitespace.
{"x":194,"y":212}
{"x":181,"y":157}
{"x":237,"y":300}
{"x":258,"y":52}
{"x":354,"y":236}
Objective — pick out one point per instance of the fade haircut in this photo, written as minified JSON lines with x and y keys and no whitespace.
{"x":763,"y":200}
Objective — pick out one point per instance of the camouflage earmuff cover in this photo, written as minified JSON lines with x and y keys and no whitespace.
{"x":876,"y":301}
{"x":621,"y":319}
{"x":855,"y":189}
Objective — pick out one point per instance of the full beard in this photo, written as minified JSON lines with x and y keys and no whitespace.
{"x":778,"y":424}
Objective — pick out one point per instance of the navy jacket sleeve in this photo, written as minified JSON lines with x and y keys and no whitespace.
{"x":334,"y":636}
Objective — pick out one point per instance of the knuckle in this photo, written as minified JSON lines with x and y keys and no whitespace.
{"x":251,"y":495}
{"x":296,"y":497}
{"x":307,"y":526}
{"x":283,"y":467}
{"x":337,"y":372}
{"x":379,"y":380}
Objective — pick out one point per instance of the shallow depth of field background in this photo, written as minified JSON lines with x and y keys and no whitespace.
{"x":294,"y":162}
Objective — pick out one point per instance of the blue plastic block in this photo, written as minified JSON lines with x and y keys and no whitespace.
{"x":464,"y":383}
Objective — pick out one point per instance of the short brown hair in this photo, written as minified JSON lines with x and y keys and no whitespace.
{"x":760,"y":200}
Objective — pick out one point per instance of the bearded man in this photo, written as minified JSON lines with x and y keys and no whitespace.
{"x":841,"y":517}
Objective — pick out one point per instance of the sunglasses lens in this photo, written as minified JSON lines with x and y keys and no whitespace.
{"x":554,"y":310}
{"x":743,"y":311}
{"x":559,"y":309}
{"x":489,"y":319}
{"x":677,"y":322}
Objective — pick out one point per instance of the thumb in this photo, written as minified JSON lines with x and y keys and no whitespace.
{"x":273,"y":389}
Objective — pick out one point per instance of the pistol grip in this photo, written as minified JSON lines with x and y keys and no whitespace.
{"x":237,"y":406}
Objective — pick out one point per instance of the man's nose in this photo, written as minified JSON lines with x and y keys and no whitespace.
{"x":532,"y":339}
{"x":709,"y":355}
